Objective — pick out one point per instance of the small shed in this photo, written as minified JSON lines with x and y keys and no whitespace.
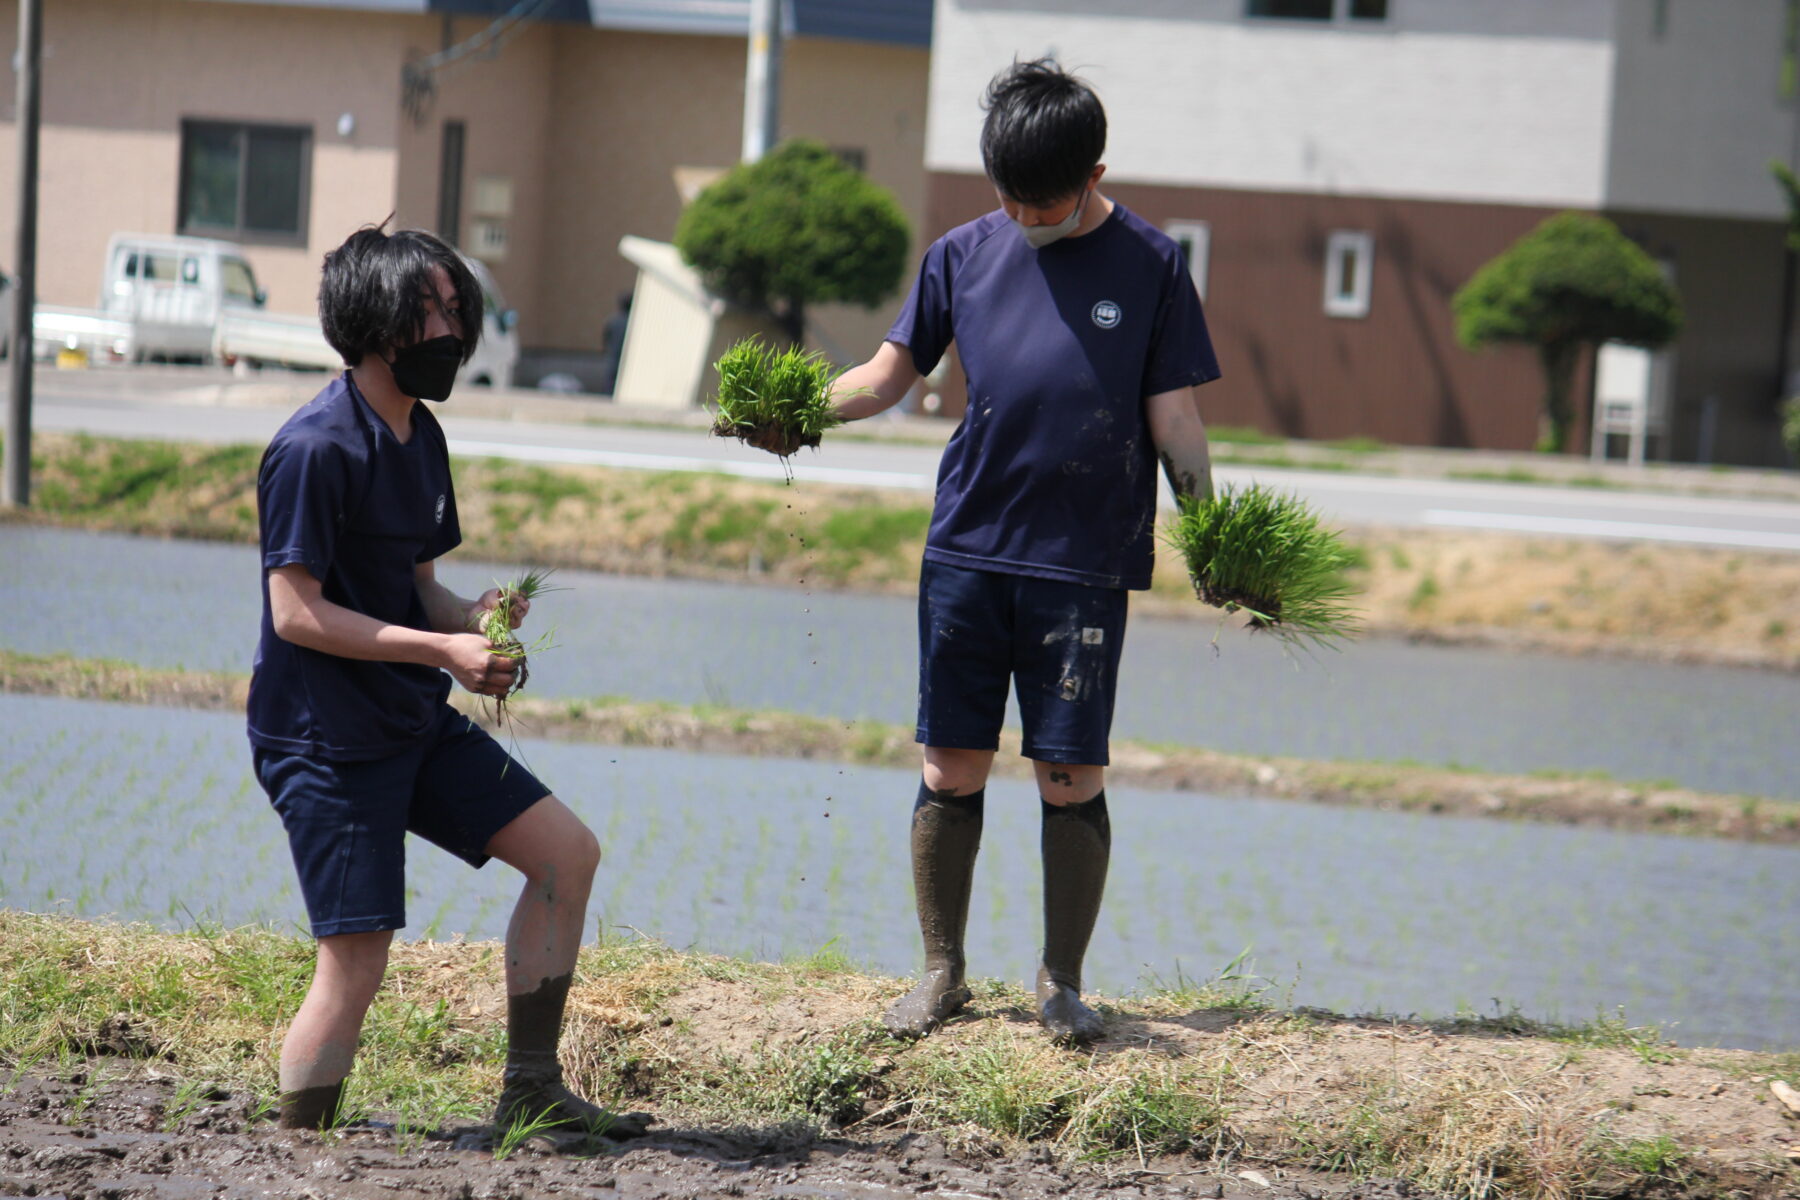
{"x":677,"y":330}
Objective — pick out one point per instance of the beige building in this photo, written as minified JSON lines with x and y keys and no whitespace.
{"x":286,"y":124}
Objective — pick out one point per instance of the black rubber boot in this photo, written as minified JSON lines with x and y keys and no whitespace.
{"x":946,"y":835}
{"x":532,"y":1092}
{"x":1077,"y":847}
{"x":310,"y":1108}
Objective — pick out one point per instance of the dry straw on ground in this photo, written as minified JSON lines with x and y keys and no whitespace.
{"x":1205,"y":1074}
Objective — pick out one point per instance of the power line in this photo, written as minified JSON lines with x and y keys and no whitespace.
{"x":418,"y":80}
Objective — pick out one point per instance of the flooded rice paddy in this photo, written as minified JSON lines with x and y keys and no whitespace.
{"x":152,"y":814}
{"x":188,"y":604}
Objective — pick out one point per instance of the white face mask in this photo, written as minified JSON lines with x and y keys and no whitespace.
{"x":1039,"y":236}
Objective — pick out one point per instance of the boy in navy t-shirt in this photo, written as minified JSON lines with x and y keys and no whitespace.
{"x":352,"y":737}
{"x":1083,"y":341}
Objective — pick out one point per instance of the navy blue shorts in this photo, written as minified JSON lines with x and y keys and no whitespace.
{"x":347,"y":821}
{"x":1058,"y":644}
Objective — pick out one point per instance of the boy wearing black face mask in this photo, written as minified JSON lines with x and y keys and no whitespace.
{"x":1082,"y":337}
{"x":349,"y":727}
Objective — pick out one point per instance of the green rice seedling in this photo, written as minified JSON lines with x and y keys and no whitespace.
{"x":1266,"y":553}
{"x":775,"y":400}
{"x":496,"y":624}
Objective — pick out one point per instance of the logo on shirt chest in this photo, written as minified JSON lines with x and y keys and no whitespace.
{"x":1106,"y":314}
{"x":440,"y":508}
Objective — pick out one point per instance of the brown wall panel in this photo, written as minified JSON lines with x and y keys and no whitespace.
{"x":1397,"y":374}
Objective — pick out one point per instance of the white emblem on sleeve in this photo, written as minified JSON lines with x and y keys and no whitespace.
{"x":1106,"y":314}
{"x":440,"y":510}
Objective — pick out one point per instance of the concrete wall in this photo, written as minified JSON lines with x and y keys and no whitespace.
{"x":1729,"y":273}
{"x":1448,"y":99}
{"x":627,"y":109}
{"x":505,"y":105}
{"x":1697,"y":110}
{"x":119,"y":79}
{"x":587,"y":125}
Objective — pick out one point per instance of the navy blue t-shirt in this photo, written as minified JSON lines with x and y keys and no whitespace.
{"x":1052,"y":471}
{"x":339,"y":494}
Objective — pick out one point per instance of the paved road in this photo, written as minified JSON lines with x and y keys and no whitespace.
{"x":166,"y":406}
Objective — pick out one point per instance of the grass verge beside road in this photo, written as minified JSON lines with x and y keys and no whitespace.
{"x":1562,"y":798}
{"x":1645,"y":600}
{"x":1214,"y":1072}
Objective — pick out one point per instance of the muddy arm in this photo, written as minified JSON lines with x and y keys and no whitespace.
{"x":1180,"y":438}
{"x":876,"y":385}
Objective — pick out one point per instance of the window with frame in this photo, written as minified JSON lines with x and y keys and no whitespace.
{"x":1317,"y":10}
{"x":1195,"y":241}
{"x":245,"y":181}
{"x":1349,"y":271}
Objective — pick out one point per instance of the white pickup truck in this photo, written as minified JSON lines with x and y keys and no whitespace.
{"x":159,"y":298}
{"x":197,"y":299}
{"x":255,"y":337}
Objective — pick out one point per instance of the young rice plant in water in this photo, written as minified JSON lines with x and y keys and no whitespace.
{"x":775,"y":400}
{"x":1267,"y":554}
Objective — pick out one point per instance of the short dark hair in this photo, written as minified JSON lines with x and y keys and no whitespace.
{"x":1044,"y":133}
{"x":372,"y":293}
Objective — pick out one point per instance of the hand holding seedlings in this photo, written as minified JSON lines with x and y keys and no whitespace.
{"x":1266,"y":554}
{"x":775,"y":400}
{"x":503,"y":608}
{"x":479,"y":667}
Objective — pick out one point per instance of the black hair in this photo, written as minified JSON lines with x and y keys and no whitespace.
{"x":373,"y":291}
{"x":1044,"y":133}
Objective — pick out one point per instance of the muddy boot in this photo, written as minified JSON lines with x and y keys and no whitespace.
{"x":533,"y":1092}
{"x":946,"y":834}
{"x":310,"y":1108}
{"x":1077,"y":847}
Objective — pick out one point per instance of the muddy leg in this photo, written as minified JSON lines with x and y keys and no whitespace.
{"x":321,"y":1043}
{"x":558,"y":856}
{"x":946,"y":835}
{"x":1077,"y":843}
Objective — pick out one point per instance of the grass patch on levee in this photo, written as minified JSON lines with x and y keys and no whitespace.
{"x":1207,"y":1071}
{"x":1660,"y":601}
{"x":1591,"y":798}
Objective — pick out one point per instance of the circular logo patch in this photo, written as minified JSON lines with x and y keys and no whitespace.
{"x":1106,"y":314}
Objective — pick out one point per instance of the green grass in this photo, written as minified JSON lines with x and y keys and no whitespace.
{"x":1267,"y":553}
{"x":777,"y":399}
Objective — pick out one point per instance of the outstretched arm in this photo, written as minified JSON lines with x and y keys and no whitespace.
{"x":302,"y":615}
{"x":1180,"y":438}
{"x":876,"y":385}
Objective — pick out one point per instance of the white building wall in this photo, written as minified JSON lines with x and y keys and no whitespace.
{"x":1697,"y":113}
{"x":1447,"y":99}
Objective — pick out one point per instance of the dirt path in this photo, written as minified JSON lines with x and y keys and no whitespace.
{"x":134,"y":1070}
{"x":129,"y":1140}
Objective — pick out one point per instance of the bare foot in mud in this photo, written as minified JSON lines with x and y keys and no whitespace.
{"x":938,"y":997}
{"x":1061,"y":1011}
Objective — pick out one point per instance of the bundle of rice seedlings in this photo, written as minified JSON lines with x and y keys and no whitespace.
{"x":496,"y":627}
{"x":1266,"y":553}
{"x":775,"y":400}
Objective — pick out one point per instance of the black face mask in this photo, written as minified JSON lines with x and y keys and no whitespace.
{"x":427,"y":370}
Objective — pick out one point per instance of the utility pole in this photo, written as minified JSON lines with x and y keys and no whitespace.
{"x":17,"y":467}
{"x":762,"y":80}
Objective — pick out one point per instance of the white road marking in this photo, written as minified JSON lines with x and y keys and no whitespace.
{"x":678,"y":462}
{"x":1590,"y":527}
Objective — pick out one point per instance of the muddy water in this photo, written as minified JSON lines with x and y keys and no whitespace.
{"x":151,"y":814}
{"x":176,"y":603}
